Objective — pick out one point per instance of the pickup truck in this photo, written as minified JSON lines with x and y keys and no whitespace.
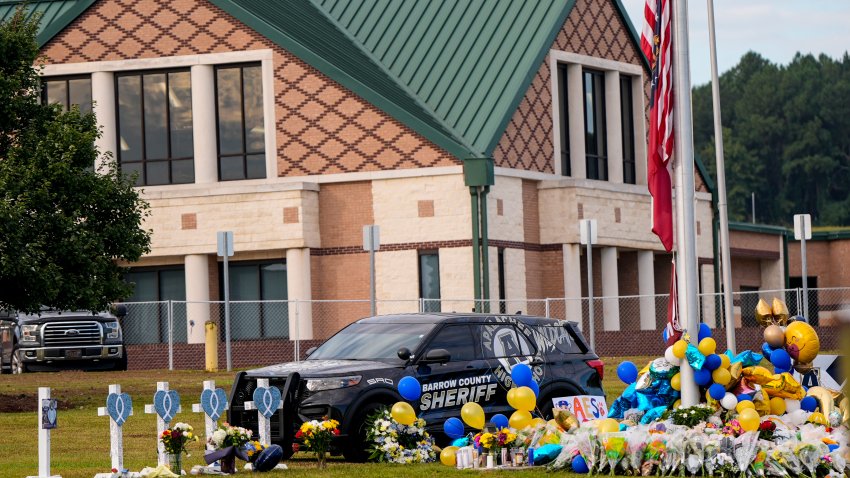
{"x":54,"y":340}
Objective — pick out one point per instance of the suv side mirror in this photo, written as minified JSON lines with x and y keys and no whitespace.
{"x":310,"y":351}
{"x":404,"y":353}
{"x":437,"y":356}
{"x":121,"y":311}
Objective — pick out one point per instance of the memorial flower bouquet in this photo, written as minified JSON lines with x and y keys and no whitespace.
{"x":176,"y":438}
{"x":316,"y":436}
{"x":252,"y":449}
{"x":228,"y":442}
{"x":393,"y":442}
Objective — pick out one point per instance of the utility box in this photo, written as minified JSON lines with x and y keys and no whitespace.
{"x":478,"y":172}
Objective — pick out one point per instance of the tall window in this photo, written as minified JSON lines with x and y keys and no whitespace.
{"x":429,"y":280}
{"x":253,"y":282}
{"x":241,"y":133}
{"x":564,"y":112}
{"x":155,"y":127}
{"x":594,"y":125}
{"x":68,"y":91}
{"x":627,"y":123}
{"x":147,"y":318}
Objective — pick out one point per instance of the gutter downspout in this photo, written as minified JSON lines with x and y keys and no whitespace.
{"x":485,"y":252}
{"x":476,"y":259}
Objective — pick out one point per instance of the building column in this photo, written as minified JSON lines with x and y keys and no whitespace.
{"x":103,"y":97}
{"x":203,"y":124}
{"x":572,"y":282}
{"x":640,"y":129}
{"x":646,"y":289}
{"x":575,"y":104}
{"x":610,"y":289}
{"x":299,"y":290}
{"x":709,"y":299}
{"x":614,"y":127}
{"x":197,"y":272}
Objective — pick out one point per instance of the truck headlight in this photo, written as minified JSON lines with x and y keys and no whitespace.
{"x":112,"y":330}
{"x":29,"y":333}
{"x":330,"y":383}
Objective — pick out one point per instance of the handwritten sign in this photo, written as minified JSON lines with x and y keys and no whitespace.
{"x":584,"y":407}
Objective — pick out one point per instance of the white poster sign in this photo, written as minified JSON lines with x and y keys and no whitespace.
{"x":584,"y":407}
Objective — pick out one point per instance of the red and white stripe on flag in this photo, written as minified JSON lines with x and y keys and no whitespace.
{"x":656,"y":44}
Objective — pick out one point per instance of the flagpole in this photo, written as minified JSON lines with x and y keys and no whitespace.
{"x":725,"y":255}
{"x":684,"y":170}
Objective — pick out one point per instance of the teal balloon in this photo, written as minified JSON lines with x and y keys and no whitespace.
{"x":694,"y":357}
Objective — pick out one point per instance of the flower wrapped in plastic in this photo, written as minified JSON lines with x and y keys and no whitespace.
{"x":712,"y":448}
{"x":758,"y":466}
{"x":724,"y":465}
{"x":635,"y":447}
{"x":809,"y":455}
{"x":585,"y":442}
{"x":653,"y":454}
{"x":614,"y":445}
{"x":695,"y":453}
{"x":744,"y":450}
{"x":786,"y":457}
{"x":674,"y":456}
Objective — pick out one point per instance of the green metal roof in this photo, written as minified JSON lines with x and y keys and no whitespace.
{"x":55,"y":14}
{"x":469,"y":61}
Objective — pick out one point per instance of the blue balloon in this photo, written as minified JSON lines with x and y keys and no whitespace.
{"x":521,"y":375}
{"x":766,"y":349}
{"x":499,"y":420}
{"x":627,"y":371}
{"x":780,"y":359}
{"x":704,"y":331}
{"x":702,"y":377}
{"x":809,"y":404}
{"x":534,"y":388}
{"x":453,"y":428}
{"x":717,"y":391}
{"x":664,"y":335}
{"x":712,"y":362}
{"x":409,"y":388}
{"x":268,"y":458}
{"x":783,"y":370}
{"x":579,"y":465}
{"x":745,"y":396}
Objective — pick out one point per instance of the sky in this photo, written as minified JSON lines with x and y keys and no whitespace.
{"x":777,"y":29}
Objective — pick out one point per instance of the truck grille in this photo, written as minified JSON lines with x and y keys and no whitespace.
{"x":72,"y":333}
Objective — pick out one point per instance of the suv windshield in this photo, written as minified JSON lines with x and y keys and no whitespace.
{"x":371,"y":341}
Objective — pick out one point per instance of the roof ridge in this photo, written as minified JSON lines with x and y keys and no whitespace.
{"x":401,"y":84}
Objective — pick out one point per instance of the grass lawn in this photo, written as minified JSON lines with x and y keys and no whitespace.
{"x":80,"y":444}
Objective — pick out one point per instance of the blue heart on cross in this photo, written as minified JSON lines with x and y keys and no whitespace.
{"x":51,"y":415}
{"x":166,"y":403}
{"x":267,"y":400}
{"x":119,"y":406}
{"x":213,"y":402}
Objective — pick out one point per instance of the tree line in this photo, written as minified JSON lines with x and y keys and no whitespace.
{"x":786,"y":138}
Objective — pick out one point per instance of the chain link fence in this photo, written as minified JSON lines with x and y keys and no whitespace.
{"x":174,"y":334}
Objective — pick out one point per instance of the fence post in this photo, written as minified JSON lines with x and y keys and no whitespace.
{"x":799,"y":301}
{"x":297,"y":346}
{"x":548,"y":315}
{"x":170,"y":335}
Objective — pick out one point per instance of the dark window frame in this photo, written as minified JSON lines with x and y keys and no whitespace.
{"x":244,"y":153}
{"x":66,"y":79}
{"x":596,"y":162}
{"x":161,"y":313}
{"x":141,"y":74}
{"x":627,"y":127}
{"x":428,"y":300}
{"x":564,"y":112}
{"x":261,"y":292}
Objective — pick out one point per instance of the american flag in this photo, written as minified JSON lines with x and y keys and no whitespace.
{"x":655,"y":42}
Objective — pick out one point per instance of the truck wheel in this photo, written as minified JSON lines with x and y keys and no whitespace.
{"x":18,"y":365}
{"x":355,"y":449}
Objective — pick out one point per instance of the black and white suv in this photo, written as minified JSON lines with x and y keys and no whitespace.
{"x":55,"y":340}
{"x":456,"y":357}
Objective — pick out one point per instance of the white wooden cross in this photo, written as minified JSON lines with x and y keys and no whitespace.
{"x":267,"y":402}
{"x":166,"y":404}
{"x":44,"y":435}
{"x":118,"y":408}
{"x":212,"y":406}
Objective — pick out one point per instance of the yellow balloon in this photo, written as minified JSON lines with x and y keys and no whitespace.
{"x":473,"y":415}
{"x":447,"y":456}
{"x":777,"y":406}
{"x":524,"y":399}
{"x":403,"y":413}
{"x":679,"y":348}
{"x":537,"y":421}
{"x":707,"y":346}
{"x":676,"y":382}
{"x":801,"y":342}
{"x":749,"y":419}
{"x":745,"y":405}
{"x":721,"y":375}
{"x":512,"y":393}
{"x":676,"y":404}
{"x":819,"y":418}
{"x":608,"y":425}
{"x":725,"y":361}
{"x":519,"y":420}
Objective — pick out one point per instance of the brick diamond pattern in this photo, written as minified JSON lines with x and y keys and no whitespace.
{"x":321,"y":126}
{"x":593,"y":28}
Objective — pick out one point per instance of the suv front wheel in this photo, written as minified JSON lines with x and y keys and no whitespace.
{"x":18,"y":365}
{"x":356,"y":449}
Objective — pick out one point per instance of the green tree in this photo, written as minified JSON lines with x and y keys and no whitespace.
{"x":64,"y":228}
